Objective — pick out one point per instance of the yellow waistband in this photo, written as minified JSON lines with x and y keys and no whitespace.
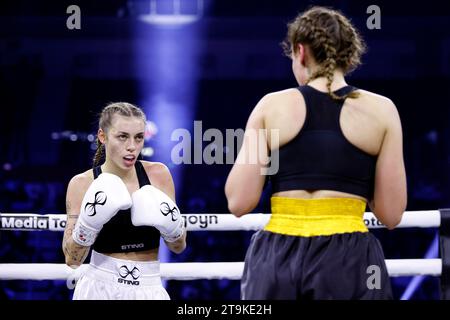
{"x":316,"y":217}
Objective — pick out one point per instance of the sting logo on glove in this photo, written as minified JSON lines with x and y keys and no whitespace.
{"x":100,"y":199}
{"x":125,"y":272}
{"x":165,"y":210}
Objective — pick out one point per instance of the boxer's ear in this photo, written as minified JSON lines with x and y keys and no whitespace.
{"x":101,"y":135}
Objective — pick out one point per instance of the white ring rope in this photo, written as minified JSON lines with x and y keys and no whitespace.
{"x":195,"y":270}
{"x":203,"y":222}
{"x":210,"y":221}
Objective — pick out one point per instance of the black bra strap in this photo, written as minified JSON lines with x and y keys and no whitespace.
{"x":141,"y":174}
{"x":97,"y":171}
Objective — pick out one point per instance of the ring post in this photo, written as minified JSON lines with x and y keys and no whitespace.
{"x":444,"y":248}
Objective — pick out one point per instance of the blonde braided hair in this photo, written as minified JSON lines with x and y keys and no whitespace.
{"x":333,"y":41}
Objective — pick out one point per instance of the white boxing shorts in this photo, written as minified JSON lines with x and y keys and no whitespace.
{"x":108,"y":278}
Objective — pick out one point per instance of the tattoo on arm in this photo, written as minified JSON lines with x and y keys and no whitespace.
{"x":76,"y":253}
{"x":73,"y":251}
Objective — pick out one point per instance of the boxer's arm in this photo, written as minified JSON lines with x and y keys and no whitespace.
{"x":390,"y":194}
{"x":161,"y":178}
{"x":74,"y":253}
{"x":245,"y":181}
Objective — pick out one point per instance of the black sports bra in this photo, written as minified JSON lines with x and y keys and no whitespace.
{"x":320,"y":157}
{"x":119,"y":234}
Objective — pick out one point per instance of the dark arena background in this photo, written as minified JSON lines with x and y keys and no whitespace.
{"x":194,"y":65}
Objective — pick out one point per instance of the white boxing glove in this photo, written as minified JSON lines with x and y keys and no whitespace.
{"x":152,"y":207}
{"x":104,"y":198}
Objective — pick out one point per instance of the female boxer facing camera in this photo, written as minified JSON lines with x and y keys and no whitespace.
{"x":121,"y":208}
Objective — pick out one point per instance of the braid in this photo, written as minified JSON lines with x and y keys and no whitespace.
{"x":99,"y":153}
{"x":332,"y":39}
{"x":353,"y":45}
{"x":329,"y":64}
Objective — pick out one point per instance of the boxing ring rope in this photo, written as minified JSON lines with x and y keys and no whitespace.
{"x":210,"y":221}
{"x":197,"y":270}
{"x":207,"y":270}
